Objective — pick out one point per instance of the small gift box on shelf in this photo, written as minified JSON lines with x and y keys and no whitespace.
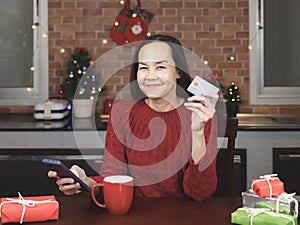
{"x":285,"y":203}
{"x":28,"y":209}
{"x":267,"y":186}
{"x":256,"y":216}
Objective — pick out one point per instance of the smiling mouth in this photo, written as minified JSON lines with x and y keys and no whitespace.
{"x":152,"y":85}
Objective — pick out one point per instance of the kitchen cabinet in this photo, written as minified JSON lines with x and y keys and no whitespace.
{"x":286,"y":163}
{"x":21,"y":170}
{"x":21,"y":152}
{"x":260,"y":144}
{"x":23,"y":146}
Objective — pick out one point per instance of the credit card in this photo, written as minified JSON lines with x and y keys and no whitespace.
{"x":199,"y":85}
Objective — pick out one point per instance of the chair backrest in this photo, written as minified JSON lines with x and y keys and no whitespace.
{"x":225,"y":159}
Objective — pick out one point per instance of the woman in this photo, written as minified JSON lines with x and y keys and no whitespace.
{"x":163,"y":138}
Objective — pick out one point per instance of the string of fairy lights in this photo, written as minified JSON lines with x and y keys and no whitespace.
{"x":43,"y":33}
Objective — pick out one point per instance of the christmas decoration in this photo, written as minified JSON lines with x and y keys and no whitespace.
{"x":131,"y":25}
{"x":232,"y":100}
{"x":233,"y":93}
{"x":80,"y":83}
{"x":117,"y":30}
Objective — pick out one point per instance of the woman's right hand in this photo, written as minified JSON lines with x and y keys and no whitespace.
{"x":68,"y":185}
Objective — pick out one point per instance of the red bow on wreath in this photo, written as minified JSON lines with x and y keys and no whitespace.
{"x":131,"y":25}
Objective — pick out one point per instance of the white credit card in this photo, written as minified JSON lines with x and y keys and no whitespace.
{"x":199,"y":85}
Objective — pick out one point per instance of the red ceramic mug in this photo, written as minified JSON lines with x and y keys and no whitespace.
{"x":117,"y":192}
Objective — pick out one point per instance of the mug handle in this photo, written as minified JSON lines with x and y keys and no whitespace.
{"x":93,"y":195}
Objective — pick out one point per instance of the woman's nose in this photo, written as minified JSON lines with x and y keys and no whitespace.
{"x":151,"y":74}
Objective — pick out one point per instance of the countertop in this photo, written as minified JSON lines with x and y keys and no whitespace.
{"x":27,"y":122}
{"x":268,"y":122}
{"x":246,"y":122}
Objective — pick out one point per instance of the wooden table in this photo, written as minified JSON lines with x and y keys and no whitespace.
{"x":81,"y":211}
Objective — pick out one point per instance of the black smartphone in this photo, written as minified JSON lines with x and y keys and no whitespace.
{"x":64,"y":171}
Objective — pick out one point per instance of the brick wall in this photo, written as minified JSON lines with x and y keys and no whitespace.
{"x":213,"y":29}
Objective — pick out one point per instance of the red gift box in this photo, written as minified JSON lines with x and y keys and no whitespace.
{"x":29,"y":209}
{"x":267,"y":186}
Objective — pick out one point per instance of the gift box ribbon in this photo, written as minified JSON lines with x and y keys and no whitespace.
{"x":289,"y":198}
{"x":266,"y":178}
{"x":252,"y":212}
{"x":25,"y":203}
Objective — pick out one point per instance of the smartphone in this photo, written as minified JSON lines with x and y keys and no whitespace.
{"x":64,"y":171}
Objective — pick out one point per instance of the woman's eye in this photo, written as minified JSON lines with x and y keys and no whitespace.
{"x":161,"y":67}
{"x":142,"y":68}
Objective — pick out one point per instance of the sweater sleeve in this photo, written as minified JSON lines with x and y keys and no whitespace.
{"x":200,"y":180}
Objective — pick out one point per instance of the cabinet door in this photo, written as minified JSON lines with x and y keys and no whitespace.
{"x":21,"y":170}
{"x":239,"y":171}
{"x":14,"y":175}
{"x":286,"y":163}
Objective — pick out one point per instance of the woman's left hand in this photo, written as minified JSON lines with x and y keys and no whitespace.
{"x":203,"y":107}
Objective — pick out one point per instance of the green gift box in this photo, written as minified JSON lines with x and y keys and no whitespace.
{"x":259,"y":216}
{"x":286,"y":201}
{"x":285,"y":209}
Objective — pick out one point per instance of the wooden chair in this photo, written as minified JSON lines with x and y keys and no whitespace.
{"x":225,"y":158}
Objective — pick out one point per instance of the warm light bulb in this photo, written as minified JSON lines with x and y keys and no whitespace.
{"x":29,"y":89}
{"x":32,"y":68}
{"x":82,"y":90}
{"x":205,"y":62}
{"x":134,"y":15}
{"x":62,"y":50}
{"x":232,"y":58}
{"x":104,"y":41}
{"x":148,"y":34}
{"x":116,"y":23}
{"x":45,"y":35}
{"x":122,"y":2}
{"x":33,"y":26}
{"x":250,"y":47}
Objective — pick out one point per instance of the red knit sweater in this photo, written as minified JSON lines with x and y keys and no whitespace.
{"x":158,"y":154}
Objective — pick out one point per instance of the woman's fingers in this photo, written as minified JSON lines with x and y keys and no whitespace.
{"x":52,"y":174}
{"x":68,"y":186}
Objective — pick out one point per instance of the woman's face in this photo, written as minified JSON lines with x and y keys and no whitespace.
{"x":157,"y":73}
